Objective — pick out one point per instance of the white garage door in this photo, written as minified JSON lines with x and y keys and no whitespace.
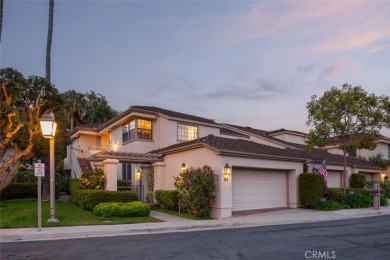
{"x":259,"y":189}
{"x":335,"y":179}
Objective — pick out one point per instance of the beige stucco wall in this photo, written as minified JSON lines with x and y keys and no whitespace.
{"x":266,"y":142}
{"x":164,"y":133}
{"x":290,"y":138}
{"x":164,"y":173}
{"x":293,"y":169}
{"x":381,"y":148}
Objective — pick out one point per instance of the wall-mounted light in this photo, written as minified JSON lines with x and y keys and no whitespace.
{"x":383,"y":176}
{"x":138,"y":173}
{"x":183,"y":167}
{"x":226,"y":172}
{"x":115,"y":146}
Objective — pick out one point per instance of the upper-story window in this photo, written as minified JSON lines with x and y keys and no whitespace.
{"x":137,"y":129}
{"x":125,"y":134}
{"x":187,"y":132}
{"x":144,"y":129}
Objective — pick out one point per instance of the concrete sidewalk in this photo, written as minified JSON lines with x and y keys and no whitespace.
{"x":176,"y":224}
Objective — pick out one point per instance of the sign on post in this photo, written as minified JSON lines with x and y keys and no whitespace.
{"x":39,"y":169}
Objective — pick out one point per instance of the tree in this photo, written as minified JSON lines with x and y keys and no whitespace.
{"x":349,"y":118}
{"x":49,"y":40}
{"x":22,"y":103}
{"x":1,"y":17}
{"x":99,"y":111}
{"x":77,"y":105}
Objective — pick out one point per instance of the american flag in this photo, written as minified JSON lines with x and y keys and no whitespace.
{"x":322,"y":170}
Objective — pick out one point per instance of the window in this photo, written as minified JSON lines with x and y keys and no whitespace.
{"x":110,"y":137}
{"x":144,"y":129}
{"x":132,"y":129}
{"x":125,"y":132}
{"x":137,"y":129}
{"x":187,"y":132}
{"x":126,"y":171}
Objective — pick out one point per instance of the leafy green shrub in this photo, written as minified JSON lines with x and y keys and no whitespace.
{"x":384,"y":201}
{"x":88,"y":199}
{"x":358,"y":200}
{"x":123,"y":183}
{"x":19,"y":191}
{"x":24,"y":175}
{"x":23,"y":191}
{"x":196,"y":188}
{"x":150,"y":194}
{"x":130,"y":209}
{"x":357,"y":180}
{"x":168,"y":198}
{"x":74,"y":185}
{"x":311,"y":189}
{"x":92,"y":179}
{"x":358,"y":190}
{"x":328,"y":205}
{"x":370,"y":184}
{"x":334,"y":194}
{"x":386,"y":186}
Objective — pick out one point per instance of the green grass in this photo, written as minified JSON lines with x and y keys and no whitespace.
{"x":24,"y":213}
{"x":182,"y":215}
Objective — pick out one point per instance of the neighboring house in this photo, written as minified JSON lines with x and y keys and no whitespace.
{"x":383,"y":148}
{"x":265,"y":165}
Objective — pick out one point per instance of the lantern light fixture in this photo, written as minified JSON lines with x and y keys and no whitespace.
{"x":48,"y":125}
{"x":183,"y":167}
{"x":226,"y":172}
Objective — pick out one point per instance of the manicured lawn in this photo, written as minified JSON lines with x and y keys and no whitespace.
{"x":24,"y":213}
{"x":182,"y":215}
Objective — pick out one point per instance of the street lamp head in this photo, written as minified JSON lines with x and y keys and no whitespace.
{"x":48,"y":125}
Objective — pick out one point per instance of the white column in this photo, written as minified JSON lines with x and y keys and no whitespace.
{"x":159,"y":176}
{"x":110,"y":171}
{"x":224,"y":200}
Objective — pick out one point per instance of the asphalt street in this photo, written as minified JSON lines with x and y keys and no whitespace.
{"x":363,"y":238}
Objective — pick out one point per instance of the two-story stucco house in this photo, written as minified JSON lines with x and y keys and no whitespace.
{"x":264,"y":165}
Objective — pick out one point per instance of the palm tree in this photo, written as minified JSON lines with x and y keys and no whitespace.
{"x":77,"y":106}
{"x":49,"y":40}
{"x":46,"y":190}
{"x":1,"y":16}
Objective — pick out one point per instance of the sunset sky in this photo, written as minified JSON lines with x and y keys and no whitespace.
{"x":252,"y":63}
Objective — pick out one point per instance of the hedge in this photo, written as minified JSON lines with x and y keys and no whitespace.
{"x":168,"y":198}
{"x":311,"y":189}
{"x":118,"y":209}
{"x":23,"y":191}
{"x":386,"y":186}
{"x":334,"y":194}
{"x":88,"y":199}
{"x":358,"y":200}
{"x":357,"y":180}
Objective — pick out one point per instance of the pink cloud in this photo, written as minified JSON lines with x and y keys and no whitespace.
{"x":334,"y":69}
{"x":331,"y":26}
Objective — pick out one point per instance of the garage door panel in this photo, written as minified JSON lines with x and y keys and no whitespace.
{"x":334,"y":179}
{"x":259,"y":189}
